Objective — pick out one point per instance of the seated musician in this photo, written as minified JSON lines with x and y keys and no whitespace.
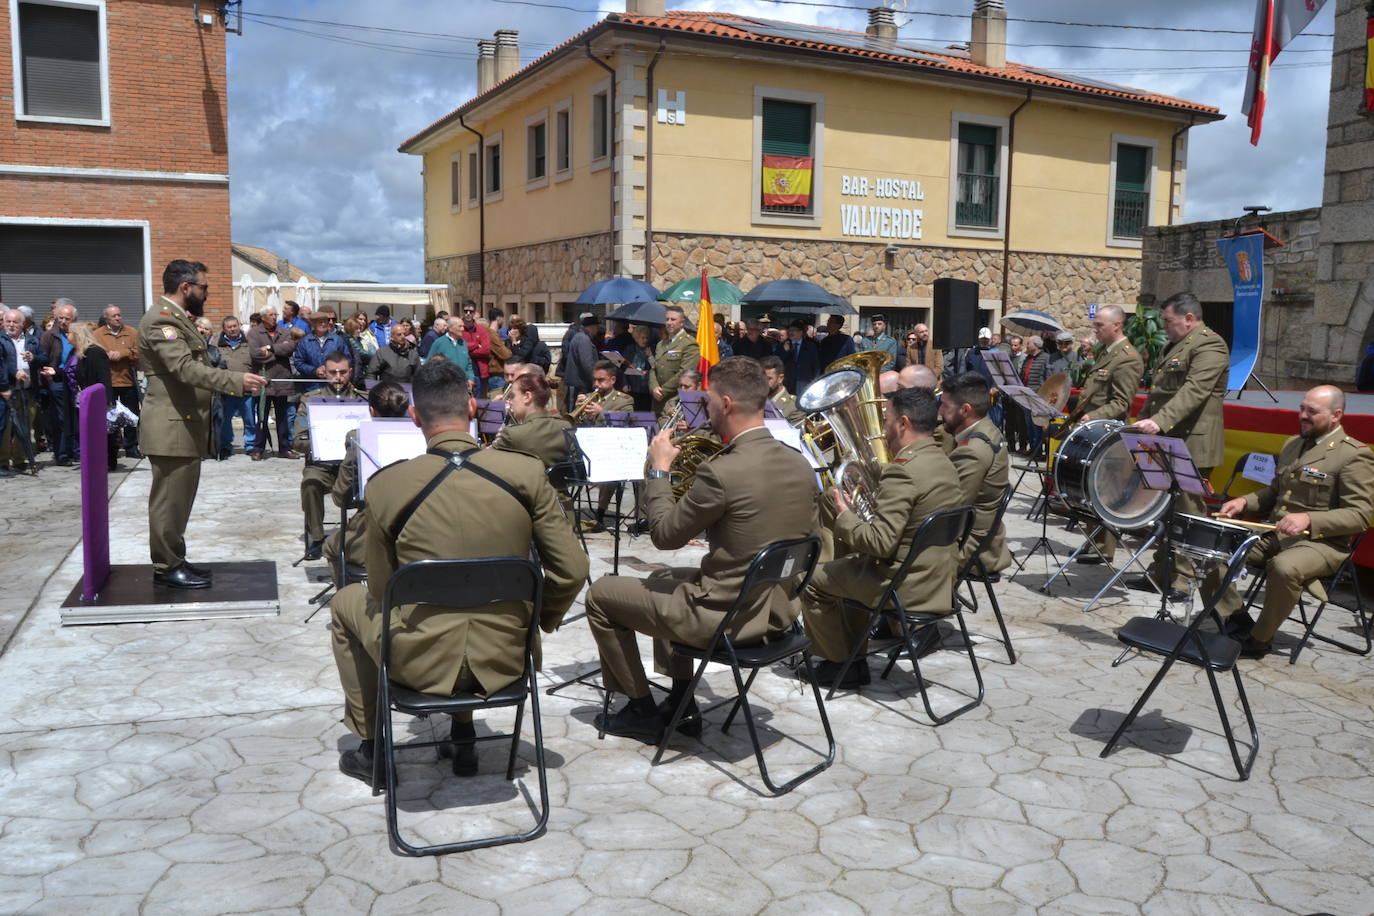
{"x":918,"y":481}
{"x":511,"y":371}
{"x":689,"y":380}
{"x":495,"y":505}
{"x":1321,"y":497}
{"x":317,"y":477}
{"x":734,"y":499}
{"x":889,"y":381}
{"x":385,"y":399}
{"x":916,"y":375}
{"x":980,"y":458}
{"x":530,"y":428}
{"x":603,"y":399}
{"x":784,"y":400}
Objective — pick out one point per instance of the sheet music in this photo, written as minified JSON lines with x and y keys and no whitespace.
{"x":1033,"y":402}
{"x":614,"y":454}
{"x":790,"y":437}
{"x":384,"y":441}
{"x":330,"y":422}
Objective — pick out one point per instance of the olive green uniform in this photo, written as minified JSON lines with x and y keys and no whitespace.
{"x":1108,"y":393}
{"x":671,"y":357}
{"x":317,"y":477}
{"x":980,"y":459}
{"x":918,"y":481}
{"x":615,"y":402}
{"x":174,"y":428}
{"x":1185,"y":400}
{"x":786,"y":402}
{"x":1331,"y":479}
{"x":343,"y":493}
{"x":734,"y":499}
{"x":434,"y":650}
{"x":541,"y":435}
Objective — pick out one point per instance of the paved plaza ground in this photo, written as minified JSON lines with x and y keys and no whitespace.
{"x":191,"y":767}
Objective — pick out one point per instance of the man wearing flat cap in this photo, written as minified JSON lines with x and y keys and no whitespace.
{"x":1066,"y":355}
{"x":881,"y":340}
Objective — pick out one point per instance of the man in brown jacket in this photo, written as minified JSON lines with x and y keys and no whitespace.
{"x":175,"y":430}
{"x":271,"y":345}
{"x":120,"y":343}
{"x":467,"y":515}
{"x":735,"y":500}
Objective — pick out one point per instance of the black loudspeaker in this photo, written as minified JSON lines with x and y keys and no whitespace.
{"x":956,"y":314}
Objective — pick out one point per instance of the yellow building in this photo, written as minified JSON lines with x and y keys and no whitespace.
{"x":654,"y":144}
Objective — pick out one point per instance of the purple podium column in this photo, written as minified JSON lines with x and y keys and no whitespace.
{"x":95,"y":492}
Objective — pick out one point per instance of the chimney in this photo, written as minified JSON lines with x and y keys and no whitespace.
{"x":486,"y":65}
{"x":988,"y":45}
{"x":507,"y":53}
{"x":645,"y":7}
{"x":882,"y":24}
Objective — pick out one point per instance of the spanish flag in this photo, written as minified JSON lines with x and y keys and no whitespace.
{"x":787,"y":181}
{"x":1277,"y":22}
{"x":706,"y":334}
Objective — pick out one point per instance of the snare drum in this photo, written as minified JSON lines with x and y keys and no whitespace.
{"x":1094,"y":472}
{"x":1206,"y":538}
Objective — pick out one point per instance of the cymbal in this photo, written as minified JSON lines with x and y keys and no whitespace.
{"x":1055,"y":392}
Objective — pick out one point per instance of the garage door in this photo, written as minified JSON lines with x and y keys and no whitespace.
{"x":92,"y":266}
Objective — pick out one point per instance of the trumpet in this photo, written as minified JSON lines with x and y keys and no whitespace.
{"x":596,"y":397}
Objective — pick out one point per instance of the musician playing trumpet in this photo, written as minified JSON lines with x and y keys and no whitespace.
{"x":591,"y":409}
{"x":918,"y":481}
{"x":1321,"y":497}
{"x":734,"y":499}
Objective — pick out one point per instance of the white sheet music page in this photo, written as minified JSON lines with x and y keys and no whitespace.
{"x":614,"y":453}
{"x":330,"y":423}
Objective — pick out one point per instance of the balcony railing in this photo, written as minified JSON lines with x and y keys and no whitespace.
{"x":977,"y":202}
{"x":1128,"y":215}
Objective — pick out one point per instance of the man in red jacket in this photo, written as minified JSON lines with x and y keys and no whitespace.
{"x":482,"y":345}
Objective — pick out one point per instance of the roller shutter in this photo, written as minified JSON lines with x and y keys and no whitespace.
{"x":93,"y":266}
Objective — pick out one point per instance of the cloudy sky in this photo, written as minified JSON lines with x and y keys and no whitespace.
{"x":321,"y":92}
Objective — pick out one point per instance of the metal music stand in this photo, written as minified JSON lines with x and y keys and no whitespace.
{"x":1164,"y":464}
{"x":1035,"y":406}
{"x":491,"y":417}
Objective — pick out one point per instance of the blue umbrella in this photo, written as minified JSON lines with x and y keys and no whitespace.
{"x":1033,"y":321}
{"x":797,"y":296}
{"x":617,"y":290}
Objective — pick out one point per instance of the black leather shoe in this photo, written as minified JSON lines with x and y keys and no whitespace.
{"x":181,"y":577}
{"x":1256,"y":648}
{"x":1238,"y":625}
{"x":690,"y":724}
{"x":1089,"y":559}
{"x":626,"y":723}
{"x":204,"y":572}
{"x":1177,"y":595}
{"x":826,"y":672}
{"x":358,"y":763}
{"x":313,"y":549}
{"x":1141,"y":584}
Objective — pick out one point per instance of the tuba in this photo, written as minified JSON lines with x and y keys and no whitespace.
{"x":872,"y":402}
{"x":839,"y":399}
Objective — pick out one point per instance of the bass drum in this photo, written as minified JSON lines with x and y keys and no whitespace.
{"x":1094,"y":473}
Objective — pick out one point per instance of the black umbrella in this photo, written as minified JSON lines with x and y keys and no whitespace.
{"x":617,"y":290}
{"x":650,"y":313}
{"x":799,"y":297}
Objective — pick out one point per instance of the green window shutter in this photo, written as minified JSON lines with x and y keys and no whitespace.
{"x":786,"y":128}
{"x":1132,"y":164}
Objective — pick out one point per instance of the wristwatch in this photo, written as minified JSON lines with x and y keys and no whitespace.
{"x":656,"y":474}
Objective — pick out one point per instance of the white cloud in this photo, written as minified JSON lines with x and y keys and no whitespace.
{"x":314,"y":124}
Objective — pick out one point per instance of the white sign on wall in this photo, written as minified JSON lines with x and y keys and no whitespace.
{"x":877,"y":221}
{"x":674,"y":110}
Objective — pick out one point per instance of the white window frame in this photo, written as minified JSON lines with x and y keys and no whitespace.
{"x":1113,"y":240}
{"x":17,"y":56}
{"x":597,"y":163}
{"x":532,"y":183}
{"x":457,"y":191}
{"x":759,"y":216}
{"x":141,"y":224}
{"x":474,"y":161}
{"x":493,"y":140}
{"x":563,"y":107}
{"x":1003,"y":125}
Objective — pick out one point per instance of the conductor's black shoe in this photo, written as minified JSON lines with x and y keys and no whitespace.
{"x":313,"y":549}
{"x":1256,"y":648}
{"x":626,"y":723}
{"x":1089,"y":559}
{"x":690,"y":724}
{"x":1238,"y":625}
{"x":180,"y":577}
{"x":826,"y":672}
{"x":358,"y":762}
{"x":204,"y":572}
{"x":1141,"y":584}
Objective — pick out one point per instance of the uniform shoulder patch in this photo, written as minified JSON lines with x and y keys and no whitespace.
{"x":169,"y":333}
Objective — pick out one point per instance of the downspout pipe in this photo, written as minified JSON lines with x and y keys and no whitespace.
{"x":481,"y":209}
{"x":1173,"y":160}
{"x":1006,"y":228}
{"x":610,"y":146}
{"x":649,"y":164}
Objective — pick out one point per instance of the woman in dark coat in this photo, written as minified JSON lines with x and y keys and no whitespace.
{"x":88,"y":365}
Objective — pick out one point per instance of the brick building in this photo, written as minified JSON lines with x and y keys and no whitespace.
{"x":114,"y":152}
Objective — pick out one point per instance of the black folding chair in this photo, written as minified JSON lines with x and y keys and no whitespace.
{"x":479,"y":582}
{"x":974,"y":565}
{"x":1212,"y":652}
{"x":1309,"y":624}
{"x":776,"y":564}
{"x":946,"y":528}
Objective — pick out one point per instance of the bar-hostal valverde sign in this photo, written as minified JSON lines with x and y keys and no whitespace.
{"x":880,"y":220}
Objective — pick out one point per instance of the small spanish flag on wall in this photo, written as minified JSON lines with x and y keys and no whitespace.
{"x":787,"y":181}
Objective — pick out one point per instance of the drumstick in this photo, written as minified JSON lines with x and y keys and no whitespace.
{"x":1258,"y":526}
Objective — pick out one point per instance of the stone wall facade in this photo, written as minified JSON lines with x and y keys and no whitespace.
{"x":544,"y":272}
{"x":1179,"y":258}
{"x":1062,"y":285}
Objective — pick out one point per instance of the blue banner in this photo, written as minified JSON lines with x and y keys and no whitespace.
{"x":1244,"y":257}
